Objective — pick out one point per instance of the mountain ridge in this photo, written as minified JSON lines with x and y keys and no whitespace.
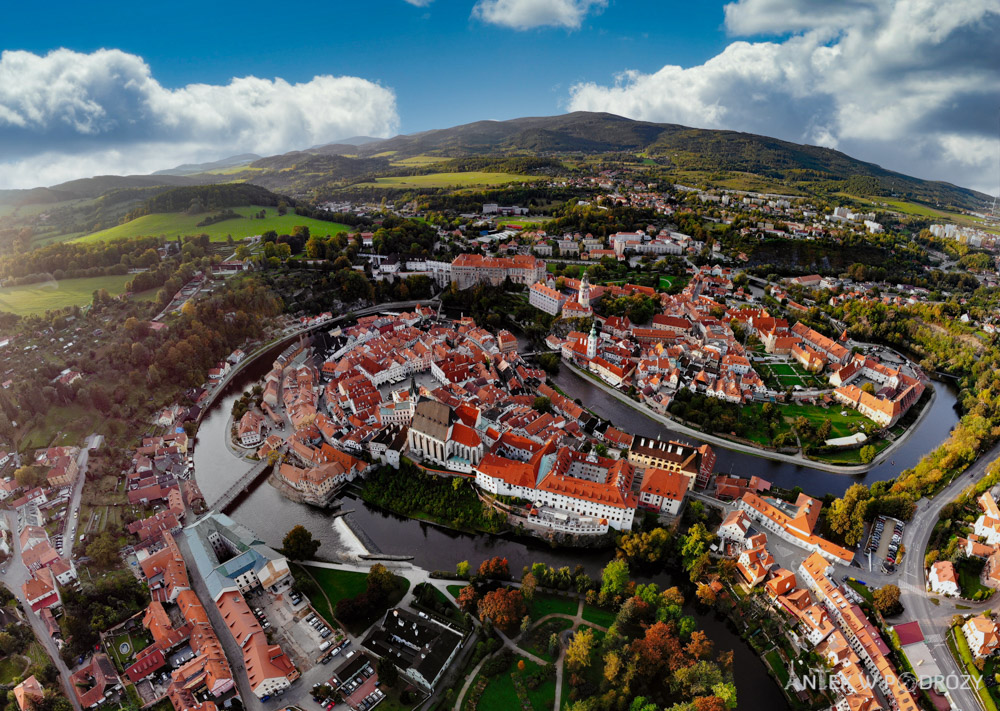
{"x":670,"y":148}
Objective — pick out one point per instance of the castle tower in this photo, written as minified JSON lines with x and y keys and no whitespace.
{"x":583,"y":298}
{"x":592,"y":341}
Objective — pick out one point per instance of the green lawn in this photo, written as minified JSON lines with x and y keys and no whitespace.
{"x":777,"y":665}
{"x":861,"y":590}
{"x":850,"y":456}
{"x":442,"y":605}
{"x":968,"y":570}
{"x":545,"y":604}
{"x":501,"y":695}
{"x":39,"y":298}
{"x":841,"y":424}
{"x":447,"y":180}
{"x":11,"y":667}
{"x":417,"y":160}
{"x":341,"y":584}
{"x":63,"y":425}
{"x":337,"y":584}
{"x":454,"y":590}
{"x":598,"y":616}
{"x":666,"y":282}
{"x":963,"y":655}
{"x":136,"y":641}
{"x":176,"y":224}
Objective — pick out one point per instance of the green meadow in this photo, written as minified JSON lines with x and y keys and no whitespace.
{"x":175,"y":224}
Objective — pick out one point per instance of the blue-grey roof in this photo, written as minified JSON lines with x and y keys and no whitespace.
{"x":250,"y":553}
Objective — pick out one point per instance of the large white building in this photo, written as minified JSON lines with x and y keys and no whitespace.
{"x":470,"y":269}
{"x":544,"y":298}
{"x":573,"y":484}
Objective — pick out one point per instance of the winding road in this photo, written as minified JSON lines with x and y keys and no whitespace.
{"x":935,"y":619}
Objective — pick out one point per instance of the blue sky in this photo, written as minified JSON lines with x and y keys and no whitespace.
{"x":445,"y":66}
{"x":114,"y":87}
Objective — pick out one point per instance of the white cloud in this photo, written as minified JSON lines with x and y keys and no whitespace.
{"x":67,"y":115}
{"x":419,"y":3}
{"x":529,"y":14}
{"x":909,"y":84}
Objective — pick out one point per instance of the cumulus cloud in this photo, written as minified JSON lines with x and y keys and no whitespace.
{"x":419,"y":3}
{"x":529,"y":14}
{"x":67,"y":115}
{"x":909,"y":84}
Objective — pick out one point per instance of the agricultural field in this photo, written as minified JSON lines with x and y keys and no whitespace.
{"x":920,"y":210}
{"x":447,"y":180}
{"x":175,"y":224}
{"x":417,"y":160}
{"x":38,"y":298}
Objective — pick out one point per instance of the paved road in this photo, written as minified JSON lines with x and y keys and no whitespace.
{"x":935,"y":619}
{"x":16,"y":576}
{"x":72,"y":519}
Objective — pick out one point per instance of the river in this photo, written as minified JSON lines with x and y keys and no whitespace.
{"x":270,"y":515}
{"x":932,"y":429}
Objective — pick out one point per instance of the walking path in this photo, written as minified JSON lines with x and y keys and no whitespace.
{"x":577,"y":621}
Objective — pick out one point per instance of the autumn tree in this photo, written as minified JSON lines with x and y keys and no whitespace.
{"x":709,"y":703}
{"x":886,"y":600}
{"x":612,"y":666}
{"x":658,"y":651}
{"x":468,"y":599}
{"x":495,"y":568}
{"x":699,"y":646}
{"x":528,"y":585}
{"x":298,"y":544}
{"x":705,"y":594}
{"x":646,"y":547}
{"x":462,"y":569}
{"x":695,"y":544}
{"x":505,"y":606}
{"x":579,"y":650}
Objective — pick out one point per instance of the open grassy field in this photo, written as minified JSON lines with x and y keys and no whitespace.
{"x":419,"y":160}
{"x":920,"y":210}
{"x":12,"y":667}
{"x":70,"y":423}
{"x":447,"y":180}
{"x":175,"y":224}
{"x":39,"y":298}
{"x":501,"y":692}
{"x":545,"y":603}
{"x":841,"y":423}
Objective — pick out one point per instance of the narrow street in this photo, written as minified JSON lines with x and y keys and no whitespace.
{"x":16,"y":576}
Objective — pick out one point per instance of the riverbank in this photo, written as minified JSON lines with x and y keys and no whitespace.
{"x":799,"y":459}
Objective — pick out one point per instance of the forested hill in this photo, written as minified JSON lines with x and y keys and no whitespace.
{"x":545,"y":146}
{"x":678,"y":147}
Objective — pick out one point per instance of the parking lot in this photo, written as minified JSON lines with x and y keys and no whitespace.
{"x":883,"y":543}
{"x":304,"y":635}
{"x":355,"y":681}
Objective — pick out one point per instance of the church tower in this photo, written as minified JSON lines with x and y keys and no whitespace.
{"x":583,"y":298}
{"x":592,"y":341}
